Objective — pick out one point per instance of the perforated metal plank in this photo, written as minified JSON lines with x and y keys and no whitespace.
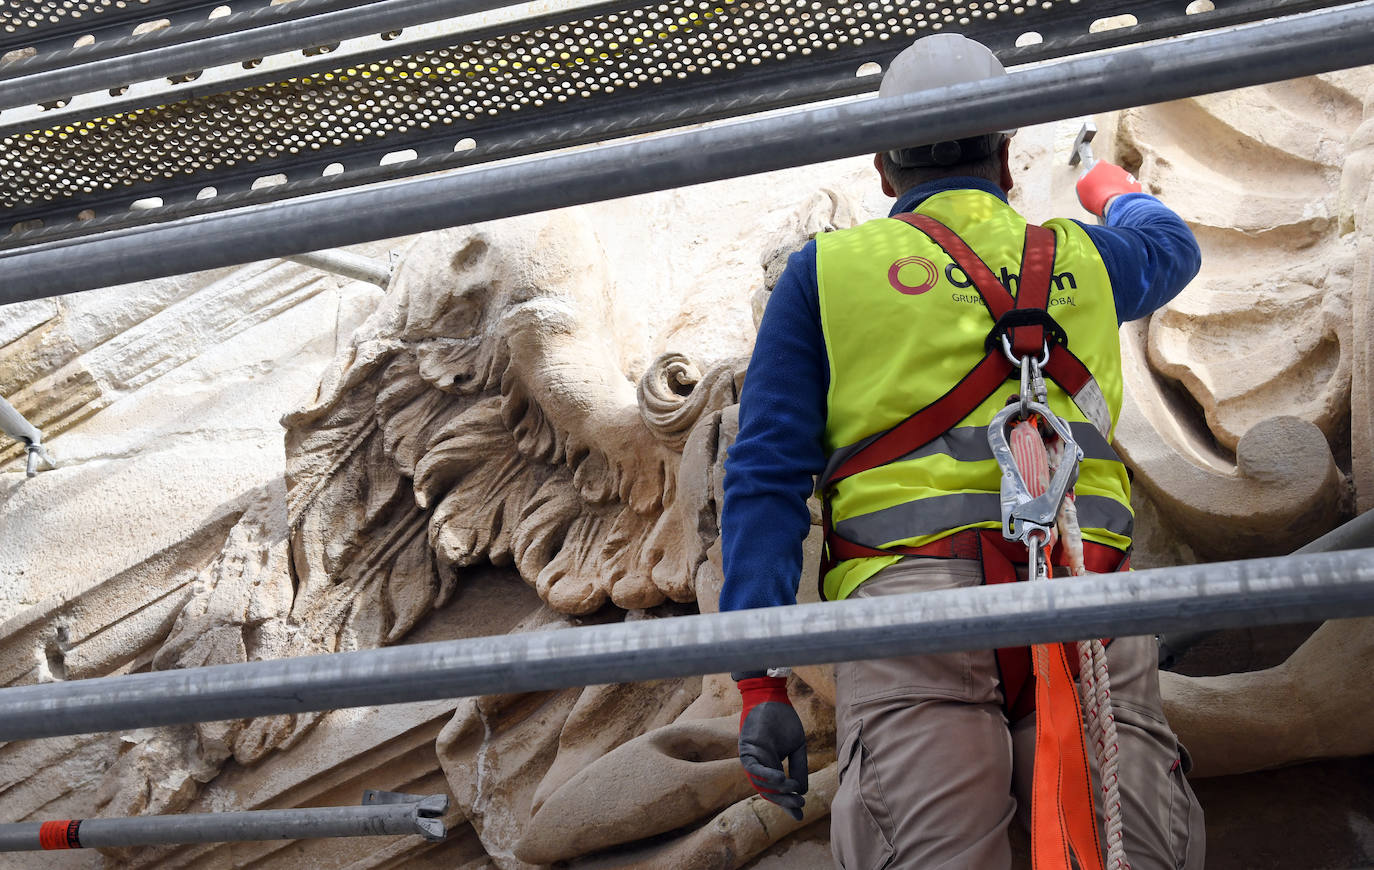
{"x":244,"y":58}
{"x":613,"y":69}
{"x":1160,"y":71}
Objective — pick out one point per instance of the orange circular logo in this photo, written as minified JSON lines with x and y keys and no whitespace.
{"x":916,"y":267}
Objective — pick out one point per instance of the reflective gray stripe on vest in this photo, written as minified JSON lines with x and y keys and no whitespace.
{"x":970,"y":444}
{"x":927,"y":516}
{"x":1093,"y":405}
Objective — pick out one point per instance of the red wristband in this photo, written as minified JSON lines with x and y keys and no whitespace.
{"x":758,"y":690}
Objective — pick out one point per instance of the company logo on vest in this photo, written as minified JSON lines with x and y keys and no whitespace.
{"x":915,"y":267}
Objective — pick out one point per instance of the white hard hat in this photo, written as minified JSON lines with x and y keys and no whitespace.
{"x":937,"y":61}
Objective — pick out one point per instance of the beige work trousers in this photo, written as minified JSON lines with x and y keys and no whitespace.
{"x":931,"y":773}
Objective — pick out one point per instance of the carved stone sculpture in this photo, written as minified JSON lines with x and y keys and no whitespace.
{"x":518,"y":436}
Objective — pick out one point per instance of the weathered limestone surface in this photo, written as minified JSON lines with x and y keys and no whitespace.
{"x":527,"y":431}
{"x":1246,"y":377}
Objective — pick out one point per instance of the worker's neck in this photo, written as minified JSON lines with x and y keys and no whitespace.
{"x":910,"y":200}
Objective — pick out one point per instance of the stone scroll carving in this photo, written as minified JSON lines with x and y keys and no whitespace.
{"x":1314,"y":704}
{"x":1241,"y":389}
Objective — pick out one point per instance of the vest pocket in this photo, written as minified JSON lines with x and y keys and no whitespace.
{"x":858,"y":841}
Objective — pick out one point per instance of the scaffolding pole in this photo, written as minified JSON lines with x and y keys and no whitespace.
{"x":382,"y":814}
{"x":324,"y":28}
{"x":1273,"y":51}
{"x":1220,"y":595}
{"x":349,"y":265}
{"x":1356,"y":534}
{"x":107,"y":44}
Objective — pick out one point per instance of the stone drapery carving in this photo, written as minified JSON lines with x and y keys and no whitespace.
{"x":1314,"y":704}
{"x":1241,"y":389}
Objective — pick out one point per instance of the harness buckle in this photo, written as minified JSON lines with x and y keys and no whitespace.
{"x":1025,"y":317}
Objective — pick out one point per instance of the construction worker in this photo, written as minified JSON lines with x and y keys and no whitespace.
{"x":867,"y":327}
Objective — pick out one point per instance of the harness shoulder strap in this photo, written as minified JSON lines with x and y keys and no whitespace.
{"x":987,"y":376}
{"x":963,"y":398}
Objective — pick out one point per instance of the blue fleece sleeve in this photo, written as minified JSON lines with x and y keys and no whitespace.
{"x":769,"y":470}
{"x":1150,"y":254}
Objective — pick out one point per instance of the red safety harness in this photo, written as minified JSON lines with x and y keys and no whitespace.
{"x":1030,"y":329}
{"x":1064,"y":830}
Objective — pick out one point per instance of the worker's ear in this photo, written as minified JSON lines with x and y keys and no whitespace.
{"x":1004,"y":151}
{"x":887,"y":185}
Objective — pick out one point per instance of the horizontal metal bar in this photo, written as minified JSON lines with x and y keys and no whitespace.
{"x":174,"y":60}
{"x":1254,"y":592}
{"x":53,"y":26}
{"x":1353,"y":535}
{"x":1303,"y":45}
{"x":202,"y":27}
{"x":1357,"y":534}
{"x":419,"y":816}
{"x":349,"y":265}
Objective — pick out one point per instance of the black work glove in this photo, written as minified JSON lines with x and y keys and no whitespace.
{"x":769,"y":731}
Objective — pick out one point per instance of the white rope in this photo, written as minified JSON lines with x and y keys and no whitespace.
{"x":1036,"y":461}
{"x":1095,"y":685}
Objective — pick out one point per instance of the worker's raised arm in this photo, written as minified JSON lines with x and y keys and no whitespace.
{"x":769,"y":469}
{"x":1149,"y":252}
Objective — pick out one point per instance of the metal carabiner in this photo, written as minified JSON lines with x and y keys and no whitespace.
{"x":1037,"y":566}
{"x":1023,"y":514}
{"x":1016,"y":360}
{"x":1032,"y":382}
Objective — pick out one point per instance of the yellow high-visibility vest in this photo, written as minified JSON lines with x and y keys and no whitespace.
{"x":903,"y":325}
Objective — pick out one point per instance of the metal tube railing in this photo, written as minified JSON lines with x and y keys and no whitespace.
{"x":1288,"y":48}
{"x":1221,"y":595}
{"x":322,"y":28}
{"x":349,"y":265}
{"x":1354,"y":535}
{"x":107,"y":46}
{"x":13,"y":424}
{"x":382,"y":814}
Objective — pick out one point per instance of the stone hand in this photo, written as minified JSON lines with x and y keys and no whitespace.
{"x":770,"y":731}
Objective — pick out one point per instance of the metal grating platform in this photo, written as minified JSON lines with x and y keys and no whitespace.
{"x":561,"y":79}
{"x":1289,"y":47}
